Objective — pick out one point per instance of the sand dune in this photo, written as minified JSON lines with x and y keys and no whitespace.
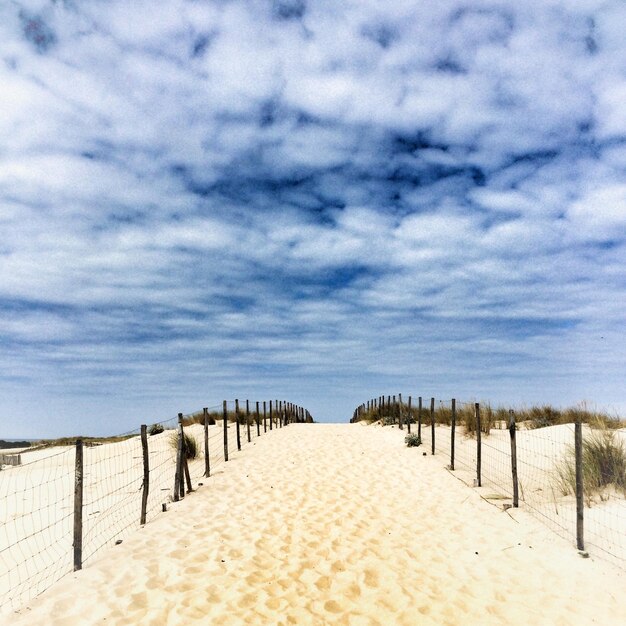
{"x":335,"y":524}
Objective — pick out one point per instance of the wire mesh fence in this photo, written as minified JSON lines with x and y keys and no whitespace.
{"x":487,"y":449}
{"x":39,"y":514}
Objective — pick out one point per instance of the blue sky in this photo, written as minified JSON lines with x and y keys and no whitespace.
{"x":312,"y":200}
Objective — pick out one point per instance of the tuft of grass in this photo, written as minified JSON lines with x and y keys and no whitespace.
{"x":156,"y":429}
{"x":191,"y":445}
{"x":604,"y":465}
{"x":413,"y":440}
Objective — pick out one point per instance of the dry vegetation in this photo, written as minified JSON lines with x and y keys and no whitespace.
{"x":526,"y":417}
{"x":71,"y":441}
{"x":604,"y":466}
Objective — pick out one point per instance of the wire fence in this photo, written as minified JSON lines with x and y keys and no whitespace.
{"x":493,"y":452}
{"x":56,"y":513}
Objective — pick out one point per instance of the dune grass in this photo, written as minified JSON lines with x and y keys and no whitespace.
{"x":191,"y":445}
{"x":604,"y":466}
{"x":540,"y":416}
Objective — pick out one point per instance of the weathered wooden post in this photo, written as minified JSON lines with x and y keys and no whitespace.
{"x":280,"y":414}
{"x":184,"y":468}
{"x":419,"y":418}
{"x":146,"y":474}
{"x":78,"y":506}
{"x":207,"y":464}
{"x":452,"y":433}
{"x":225,"y":416}
{"x":179,"y":480}
{"x":264,"y":416}
{"x":408,"y":423}
{"x":248,"y":419}
{"x":271,"y":417}
{"x":394,"y":409}
{"x":578,"y":451}
{"x":512,"y":432}
{"x":237,"y":420}
{"x":478,"y":445}
{"x":400,"y":411}
{"x":432,"y":425}
{"x":258,"y":420}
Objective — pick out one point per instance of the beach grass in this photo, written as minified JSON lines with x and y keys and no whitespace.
{"x":537,"y":416}
{"x":604,"y":466}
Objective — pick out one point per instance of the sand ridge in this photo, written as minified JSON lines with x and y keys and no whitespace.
{"x":335,"y":524}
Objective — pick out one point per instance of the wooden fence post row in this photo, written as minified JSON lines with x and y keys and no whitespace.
{"x":388,"y":407}
{"x":287,"y":412}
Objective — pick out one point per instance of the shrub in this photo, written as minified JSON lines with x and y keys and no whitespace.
{"x":156,"y":429}
{"x":604,"y":465}
{"x":191,"y":445}
{"x":413,"y":440}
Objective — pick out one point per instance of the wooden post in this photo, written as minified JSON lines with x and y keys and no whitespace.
{"x":478,"y":445}
{"x":408,"y":423}
{"x":258,"y":421}
{"x":271,"y":419}
{"x":513,"y":458}
{"x":225,"y":409}
{"x":432,"y":425}
{"x":186,"y":468}
{"x":419,"y":418}
{"x":146,"y":474}
{"x":78,"y":506}
{"x":452,"y":433}
{"x":280,"y":414}
{"x":237,"y":420}
{"x":264,"y":416}
{"x":394,"y":407}
{"x":400,"y":411}
{"x":183,"y":453}
{"x":248,"y":419}
{"x":578,"y":451}
{"x":207,"y":464}
{"x":179,"y":465}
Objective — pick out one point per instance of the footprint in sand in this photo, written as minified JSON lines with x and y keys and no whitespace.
{"x":323,"y":583}
{"x":332,"y":607}
{"x":371,"y":578}
{"x":273,"y":603}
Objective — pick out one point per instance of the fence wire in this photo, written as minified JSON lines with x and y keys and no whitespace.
{"x":37,"y":497}
{"x":544,"y":455}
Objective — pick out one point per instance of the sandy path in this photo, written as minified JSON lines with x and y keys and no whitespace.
{"x":335,"y":524}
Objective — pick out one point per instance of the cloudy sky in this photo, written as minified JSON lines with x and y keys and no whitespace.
{"x":315,"y":200}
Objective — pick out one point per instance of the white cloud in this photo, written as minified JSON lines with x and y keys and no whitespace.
{"x":282,"y":201}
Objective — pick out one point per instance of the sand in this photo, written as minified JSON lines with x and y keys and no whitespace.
{"x":335,"y":524}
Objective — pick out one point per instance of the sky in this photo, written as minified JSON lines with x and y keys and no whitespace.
{"x":308,"y":200}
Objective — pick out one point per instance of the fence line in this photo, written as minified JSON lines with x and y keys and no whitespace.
{"x":57,"y":511}
{"x":530,"y":464}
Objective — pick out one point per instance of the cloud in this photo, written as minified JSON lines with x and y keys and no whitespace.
{"x":309,"y":199}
